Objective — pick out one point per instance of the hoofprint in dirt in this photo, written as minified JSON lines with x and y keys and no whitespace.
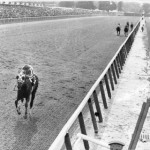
{"x":68,"y":56}
{"x":124,"y":108}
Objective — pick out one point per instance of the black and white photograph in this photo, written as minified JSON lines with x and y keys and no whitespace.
{"x":74,"y":75}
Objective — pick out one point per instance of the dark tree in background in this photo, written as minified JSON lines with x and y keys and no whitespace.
{"x":120,"y":5}
{"x":107,"y":5}
{"x":69,"y":4}
{"x":104,"y":5}
{"x":132,"y":7}
{"x":113,"y":6}
{"x":85,"y":5}
{"x":146,"y":8}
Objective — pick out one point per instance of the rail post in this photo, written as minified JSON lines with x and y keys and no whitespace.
{"x":127,"y":47}
{"x":118,"y":64}
{"x":111,"y":80}
{"x":115,"y":64}
{"x":114,"y":74}
{"x":83,"y":130}
{"x":122,"y":57}
{"x":120,"y":60}
{"x":92,"y":115}
{"x":67,"y":142}
{"x":99,"y":114}
{"x":139,"y":125}
{"x":107,"y":86}
{"x":125,"y":53}
{"x":103,"y":94}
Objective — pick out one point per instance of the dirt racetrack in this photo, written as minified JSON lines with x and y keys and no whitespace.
{"x":68,"y":56}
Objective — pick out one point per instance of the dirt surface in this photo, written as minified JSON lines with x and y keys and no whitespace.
{"x":68,"y":56}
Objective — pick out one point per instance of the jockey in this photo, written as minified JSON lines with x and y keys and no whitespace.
{"x":27,"y":70}
{"x":119,"y":25}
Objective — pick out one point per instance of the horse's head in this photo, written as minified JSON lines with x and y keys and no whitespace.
{"x":22,"y":80}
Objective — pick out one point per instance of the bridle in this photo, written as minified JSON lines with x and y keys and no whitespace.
{"x":20,"y":80}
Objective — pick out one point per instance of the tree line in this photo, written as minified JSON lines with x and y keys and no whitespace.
{"x":102,"y":5}
{"x":107,"y":5}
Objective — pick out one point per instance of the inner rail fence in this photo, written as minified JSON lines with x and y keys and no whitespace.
{"x":108,"y":77}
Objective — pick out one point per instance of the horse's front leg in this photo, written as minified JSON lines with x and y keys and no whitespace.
{"x":26,"y":107}
{"x":17,"y":107}
{"x":31,"y":102}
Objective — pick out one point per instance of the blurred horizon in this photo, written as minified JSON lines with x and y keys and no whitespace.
{"x":139,"y":1}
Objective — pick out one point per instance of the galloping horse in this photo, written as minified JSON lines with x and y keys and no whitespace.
{"x":118,"y":29}
{"x":131,"y":26}
{"x":27,"y":84}
{"x":126,"y":29}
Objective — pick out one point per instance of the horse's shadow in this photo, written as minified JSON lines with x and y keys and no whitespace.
{"x":24,"y":131}
{"x":121,"y":35}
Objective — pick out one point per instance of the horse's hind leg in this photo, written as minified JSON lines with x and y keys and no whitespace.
{"x":31,"y":102}
{"x":17,"y":107}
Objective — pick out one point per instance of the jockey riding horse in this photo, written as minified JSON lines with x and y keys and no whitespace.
{"x":27,"y":83}
{"x":118,"y":29}
{"x":27,"y":70}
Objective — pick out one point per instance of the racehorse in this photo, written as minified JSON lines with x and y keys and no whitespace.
{"x":142,"y":28}
{"x":118,"y":29}
{"x":128,"y":24}
{"x":131,"y":26}
{"x":126,"y":29}
{"x":27,"y":88}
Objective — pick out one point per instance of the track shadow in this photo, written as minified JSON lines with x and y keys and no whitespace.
{"x":23,"y":132}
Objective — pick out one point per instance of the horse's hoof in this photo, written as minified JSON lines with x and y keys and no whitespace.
{"x":30,"y":117}
{"x":25,"y":117}
{"x":19,"y":113}
{"x":30,"y":112}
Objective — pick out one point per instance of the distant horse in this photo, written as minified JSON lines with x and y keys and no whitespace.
{"x":142,"y":28}
{"x":126,"y":29}
{"x":128,"y":24}
{"x":118,"y":29}
{"x":27,"y":88}
{"x":131,"y":26}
